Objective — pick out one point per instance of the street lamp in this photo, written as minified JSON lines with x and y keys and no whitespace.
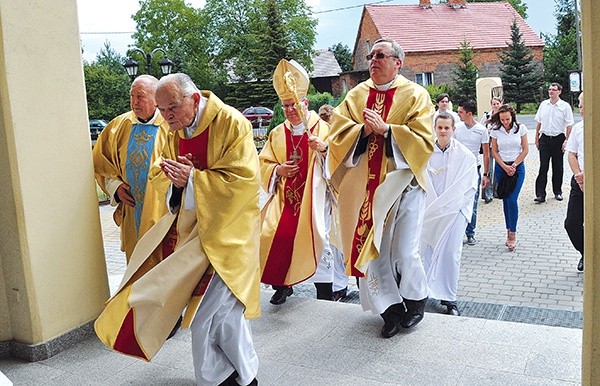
{"x":131,"y":66}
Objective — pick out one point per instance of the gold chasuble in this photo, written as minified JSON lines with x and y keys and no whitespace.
{"x":125,"y":151}
{"x":221,"y":234}
{"x":293,"y":230}
{"x":368,"y":190}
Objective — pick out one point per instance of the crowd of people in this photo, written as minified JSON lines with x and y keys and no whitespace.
{"x":382,"y":188}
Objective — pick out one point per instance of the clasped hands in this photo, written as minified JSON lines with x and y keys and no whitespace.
{"x":178,"y":171}
{"x":510,"y":169}
{"x":374,"y":123}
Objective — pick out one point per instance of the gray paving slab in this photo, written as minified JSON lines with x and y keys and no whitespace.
{"x":315,"y":342}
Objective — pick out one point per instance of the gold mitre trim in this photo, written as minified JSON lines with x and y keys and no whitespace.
{"x":299,"y":75}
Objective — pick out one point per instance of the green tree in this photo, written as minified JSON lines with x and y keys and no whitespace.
{"x":181,"y":31}
{"x":519,"y":73}
{"x":560,"y":52}
{"x":249,"y":37}
{"x":343,"y":55}
{"x":465,"y":73}
{"x":106,"y":85}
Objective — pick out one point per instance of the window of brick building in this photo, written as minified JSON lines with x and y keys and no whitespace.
{"x":424,"y":78}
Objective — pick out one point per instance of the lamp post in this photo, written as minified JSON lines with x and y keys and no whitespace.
{"x":131,"y":66}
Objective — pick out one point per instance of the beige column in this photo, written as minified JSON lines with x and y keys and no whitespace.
{"x":591,"y":294}
{"x":52,"y":267}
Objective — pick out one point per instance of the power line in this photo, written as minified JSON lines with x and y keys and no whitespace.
{"x":351,"y":6}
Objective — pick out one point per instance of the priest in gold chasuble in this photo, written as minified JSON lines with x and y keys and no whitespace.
{"x":381,"y":138}
{"x":294,"y":234}
{"x":123,"y":154}
{"x":210,"y":176}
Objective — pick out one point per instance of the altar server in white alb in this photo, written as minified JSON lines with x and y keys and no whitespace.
{"x":451,"y":185}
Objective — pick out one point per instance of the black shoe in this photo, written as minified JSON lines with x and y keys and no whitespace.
{"x":539,"y":200}
{"x":340,"y":294}
{"x":558,"y":197}
{"x":580,"y":265}
{"x":280,"y":296}
{"x":390,"y":329}
{"x":471,"y":240}
{"x":488,"y":200}
{"x":452,"y":309}
{"x":415,"y":310}
{"x":392,"y":317}
{"x":174,"y":330}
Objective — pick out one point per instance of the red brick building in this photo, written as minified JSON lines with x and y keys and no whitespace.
{"x":431,"y":34}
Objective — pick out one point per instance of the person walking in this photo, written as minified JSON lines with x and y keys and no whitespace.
{"x":294,"y":240}
{"x":574,"y":219}
{"x":509,"y":149}
{"x":489,"y":192}
{"x":451,"y":185}
{"x":475,"y":137}
{"x":381,"y":138}
{"x":122,"y":155}
{"x":554,"y":122}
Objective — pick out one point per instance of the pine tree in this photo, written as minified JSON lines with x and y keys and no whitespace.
{"x":519,"y":73}
{"x":560,"y":52}
{"x":465,"y":73}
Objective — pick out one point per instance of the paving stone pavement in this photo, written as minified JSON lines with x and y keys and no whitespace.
{"x":537,"y":283}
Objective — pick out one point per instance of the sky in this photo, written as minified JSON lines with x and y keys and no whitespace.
{"x":110,"y":20}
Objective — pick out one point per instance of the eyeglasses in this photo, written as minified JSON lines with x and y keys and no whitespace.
{"x":379,"y":56}
{"x":289,"y":107}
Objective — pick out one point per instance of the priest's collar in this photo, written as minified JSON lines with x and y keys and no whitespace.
{"x":149,"y":121}
{"x":191,"y":129}
{"x":385,"y":86}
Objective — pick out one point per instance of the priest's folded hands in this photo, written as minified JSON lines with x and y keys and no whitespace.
{"x":178,"y":171}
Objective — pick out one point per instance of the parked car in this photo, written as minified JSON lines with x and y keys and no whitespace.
{"x":96,"y":126}
{"x":258,"y":116}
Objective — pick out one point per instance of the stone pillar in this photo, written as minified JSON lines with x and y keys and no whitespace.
{"x":484,"y":87}
{"x":52,"y":270}
{"x":591,"y":293}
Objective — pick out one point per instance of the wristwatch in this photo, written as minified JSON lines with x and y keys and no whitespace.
{"x":487,"y":174}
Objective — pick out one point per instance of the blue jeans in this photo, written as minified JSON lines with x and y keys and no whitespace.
{"x":510,"y":204}
{"x":471,"y":226}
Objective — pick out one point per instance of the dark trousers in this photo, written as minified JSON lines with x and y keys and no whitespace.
{"x":574,"y":219}
{"x":550,"y":148}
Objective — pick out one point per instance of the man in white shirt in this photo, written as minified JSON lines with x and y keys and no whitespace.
{"x":474,"y":136}
{"x":554,"y":122}
{"x":574,"y":220}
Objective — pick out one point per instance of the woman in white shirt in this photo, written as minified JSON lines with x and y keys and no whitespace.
{"x":509,"y":149}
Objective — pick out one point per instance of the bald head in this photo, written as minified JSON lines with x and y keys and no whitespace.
{"x":141,"y":94}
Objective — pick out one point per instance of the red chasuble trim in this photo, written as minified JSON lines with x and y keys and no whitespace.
{"x":198,"y":148}
{"x":126,"y":341}
{"x":282,"y":247}
{"x":380,"y":101}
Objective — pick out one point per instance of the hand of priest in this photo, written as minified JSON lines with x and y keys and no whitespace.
{"x":178,"y":171}
{"x":373,"y":122}
{"x":316,"y":143}
{"x":287,"y":169}
{"x":124,"y":194}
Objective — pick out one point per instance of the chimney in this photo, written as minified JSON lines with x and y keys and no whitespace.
{"x":457,"y":3}
{"x":425,"y":4}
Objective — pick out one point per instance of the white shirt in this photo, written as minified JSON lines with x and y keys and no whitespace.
{"x":575,"y":143}
{"x":472,"y":137}
{"x":554,"y":117}
{"x":509,"y":144}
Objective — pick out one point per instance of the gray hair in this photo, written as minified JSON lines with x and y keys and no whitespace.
{"x":397,"y":51}
{"x":147,"y":80}
{"x":182,"y":81}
